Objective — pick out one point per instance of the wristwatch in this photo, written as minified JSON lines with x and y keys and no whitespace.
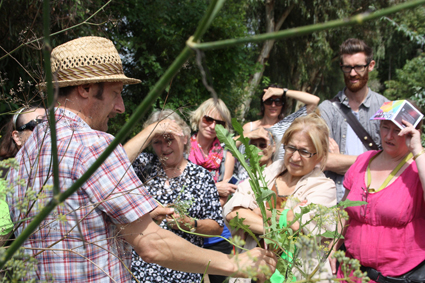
{"x":193,"y":229}
{"x":285,"y":90}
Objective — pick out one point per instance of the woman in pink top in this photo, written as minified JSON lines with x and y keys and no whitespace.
{"x":387,"y":235}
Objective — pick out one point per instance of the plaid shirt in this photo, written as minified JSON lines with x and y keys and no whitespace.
{"x":93,"y":250}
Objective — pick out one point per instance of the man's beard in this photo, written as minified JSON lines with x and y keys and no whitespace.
{"x":359,"y":85}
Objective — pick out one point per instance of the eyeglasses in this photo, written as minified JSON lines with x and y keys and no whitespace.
{"x":30,"y":125}
{"x":277,"y":101}
{"x":357,"y":68}
{"x":209,"y":120}
{"x":259,"y":144}
{"x":304,"y":153}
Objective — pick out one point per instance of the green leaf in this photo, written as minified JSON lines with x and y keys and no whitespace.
{"x":332,"y":235}
{"x":350,"y":203}
{"x":266,"y":194}
{"x":237,"y":223}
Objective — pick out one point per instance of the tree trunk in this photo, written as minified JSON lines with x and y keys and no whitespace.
{"x":254,"y":81}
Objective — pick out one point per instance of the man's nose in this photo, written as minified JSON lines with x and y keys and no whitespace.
{"x":119,"y":105}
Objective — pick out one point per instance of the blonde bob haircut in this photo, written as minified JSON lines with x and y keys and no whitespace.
{"x":206,"y":108}
{"x":159,"y":115}
{"x":316,"y":129}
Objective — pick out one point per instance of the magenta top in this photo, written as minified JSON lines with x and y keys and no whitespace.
{"x":387,"y":234}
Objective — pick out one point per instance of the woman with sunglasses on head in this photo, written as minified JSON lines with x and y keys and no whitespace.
{"x":208,"y":152}
{"x":174,"y":182}
{"x":18,"y":130}
{"x":15,"y":134}
{"x":263,"y":140}
{"x":273,"y":108}
{"x":387,"y":233}
{"x":297,"y":180}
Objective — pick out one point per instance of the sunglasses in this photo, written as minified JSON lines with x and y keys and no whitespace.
{"x":277,"y":101}
{"x":259,"y":144}
{"x":30,"y":125}
{"x":209,"y":120}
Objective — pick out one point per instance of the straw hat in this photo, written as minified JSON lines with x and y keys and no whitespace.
{"x":89,"y":59}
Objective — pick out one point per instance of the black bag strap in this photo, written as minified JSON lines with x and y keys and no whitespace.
{"x":363,"y":135}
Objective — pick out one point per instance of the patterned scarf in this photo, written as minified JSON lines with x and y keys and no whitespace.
{"x":212,"y":161}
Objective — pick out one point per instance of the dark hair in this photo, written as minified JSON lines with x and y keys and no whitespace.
{"x":353,"y":46}
{"x":8,"y":147}
{"x":284,"y":106}
{"x":65,"y":91}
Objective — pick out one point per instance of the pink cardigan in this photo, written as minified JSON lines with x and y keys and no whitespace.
{"x":313,"y":187}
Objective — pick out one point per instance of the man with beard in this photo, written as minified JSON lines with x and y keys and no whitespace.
{"x":356,"y":61}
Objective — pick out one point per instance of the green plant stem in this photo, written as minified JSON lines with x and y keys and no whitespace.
{"x":126,"y":129}
{"x":358,"y":19}
{"x":50,"y":97}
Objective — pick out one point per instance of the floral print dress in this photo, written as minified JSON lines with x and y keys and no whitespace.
{"x":195,"y":185}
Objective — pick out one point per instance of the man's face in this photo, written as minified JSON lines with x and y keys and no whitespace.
{"x":105,"y":106}
{"x":355,"y":81}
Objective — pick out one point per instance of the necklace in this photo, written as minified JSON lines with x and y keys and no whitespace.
{"x":390,"y":176}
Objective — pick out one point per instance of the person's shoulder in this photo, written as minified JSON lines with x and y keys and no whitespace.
{"x":251,"y":125}
{"x":367,"y":155}
{"x":275,"y":168}
{"x":326,"y":105}
{"x":198,"y":170}
{"x":317,"y":178}
{"x":379,"y":97}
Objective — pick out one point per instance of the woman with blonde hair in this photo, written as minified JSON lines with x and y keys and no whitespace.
{"x":208,"y":152}
{"x":297,"y":180}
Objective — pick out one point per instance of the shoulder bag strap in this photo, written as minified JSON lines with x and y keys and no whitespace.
{"x":363,"y":135}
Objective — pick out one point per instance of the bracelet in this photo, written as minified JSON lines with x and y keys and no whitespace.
{"x":419,"y":154}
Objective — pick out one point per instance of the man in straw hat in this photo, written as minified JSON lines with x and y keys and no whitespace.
{"x":86,"y":239}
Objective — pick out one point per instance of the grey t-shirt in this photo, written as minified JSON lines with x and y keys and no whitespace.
{"x":338,"y":125}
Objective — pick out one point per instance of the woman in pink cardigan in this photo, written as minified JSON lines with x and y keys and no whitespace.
{"x":297,"y":178}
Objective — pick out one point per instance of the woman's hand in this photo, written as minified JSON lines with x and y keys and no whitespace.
{"x":413,"y":138}
{"x":165,"y":127}
{"x":258,"y":133}
{"x":185,"y":223}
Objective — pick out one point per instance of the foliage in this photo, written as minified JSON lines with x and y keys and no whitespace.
{"x":152,"y":33}
{"x":408,"y":82}
{"x":64,"y":13}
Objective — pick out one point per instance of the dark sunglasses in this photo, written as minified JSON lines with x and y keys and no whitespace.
{"x":30,"y":125}
{"x":277,"y":101}
{"x":208,"y":120}
{"x":260,"y":145}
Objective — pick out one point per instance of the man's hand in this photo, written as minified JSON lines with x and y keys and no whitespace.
{"x":160,"y":213}
{"x":254,"y":259}
{"x":333,"y":146}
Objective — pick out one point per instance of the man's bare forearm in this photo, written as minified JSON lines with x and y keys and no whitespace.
{"x":339,"y":163}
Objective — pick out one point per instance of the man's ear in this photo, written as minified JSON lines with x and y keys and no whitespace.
{"x":84,"y":90}
{"x":17,"y":138}
{"x":371,"y":65}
